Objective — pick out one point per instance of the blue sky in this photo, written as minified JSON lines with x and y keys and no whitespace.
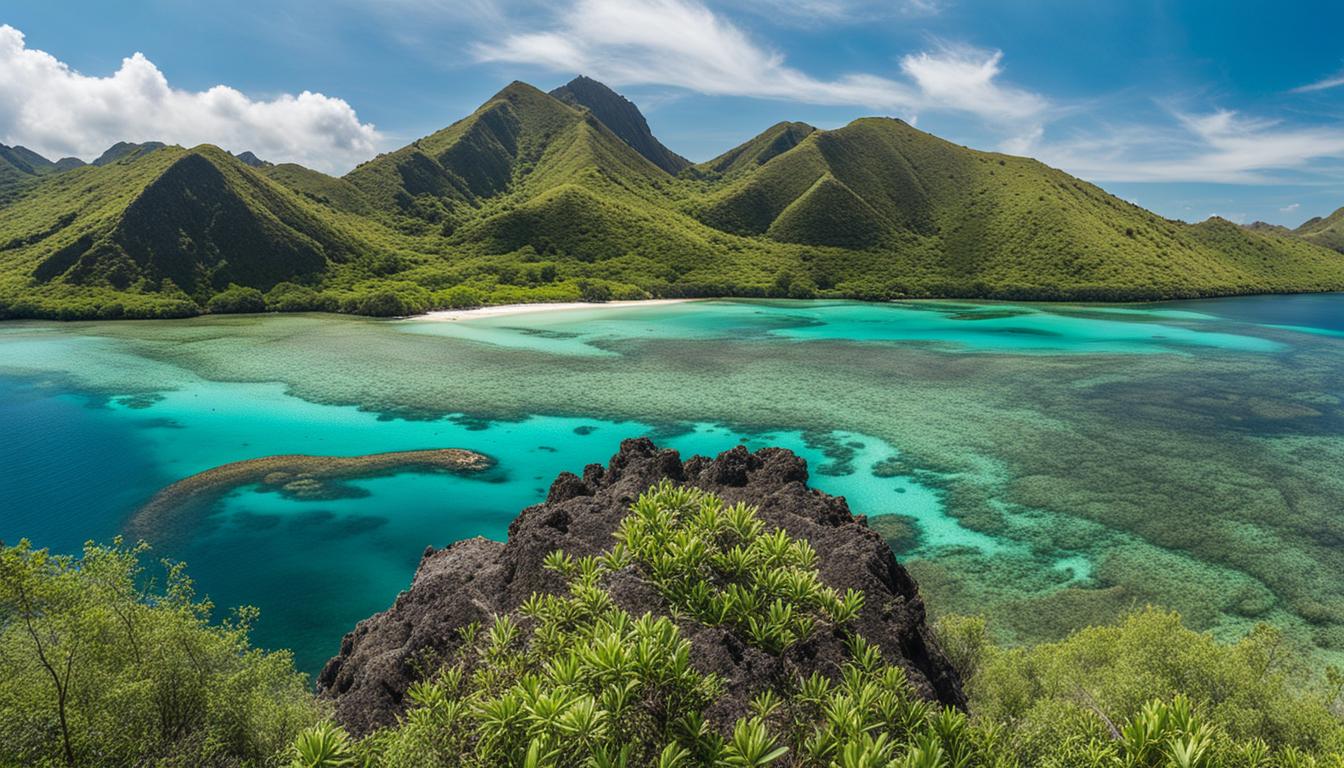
{"x":1188,"y":108}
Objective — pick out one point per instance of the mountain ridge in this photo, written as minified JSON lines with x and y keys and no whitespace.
{"x":535,"y":197}
{"x":623,"y":118}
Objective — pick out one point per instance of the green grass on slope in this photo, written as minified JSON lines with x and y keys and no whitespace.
{"x":19,"y":167}
{"x":1328,"y":232}
{"x":623,"y":118}
{"x":532,"y":199}
{"x":159,"y":233}
{"x":775,"y":140}
{"x":444,"y":175}
{"x":944,"y":220}
{"x":320,"y":188}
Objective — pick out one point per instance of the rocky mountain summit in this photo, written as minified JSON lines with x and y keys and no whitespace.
{"x":473,"y":580}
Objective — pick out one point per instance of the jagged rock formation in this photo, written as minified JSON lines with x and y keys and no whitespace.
{"x":477,"y":578}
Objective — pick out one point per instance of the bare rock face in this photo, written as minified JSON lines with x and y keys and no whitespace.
{"x":474,"y":579}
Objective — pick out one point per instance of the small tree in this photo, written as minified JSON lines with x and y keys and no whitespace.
{"x":101,"y":665}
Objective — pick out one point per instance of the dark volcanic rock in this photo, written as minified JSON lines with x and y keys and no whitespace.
{"x":471,"y":580}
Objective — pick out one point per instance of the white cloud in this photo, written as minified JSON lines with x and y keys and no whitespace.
{"x":1333,"y":81}
{"x":1221,"y":147}
{"x":964,"y":79}
{"x":1289,"y":208}
{"x":57,"y":111}
{"x":845,"y":11}
{"x":683,"y":43}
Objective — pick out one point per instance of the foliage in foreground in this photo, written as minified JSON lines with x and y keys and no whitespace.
{"x":572,"y":680}
{"x":101,"y":666}
{"x":1086,"y":699}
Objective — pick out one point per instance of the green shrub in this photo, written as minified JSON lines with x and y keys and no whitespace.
{"x":288,"y":297}
{"x":572,"y":680}
{"x":1063,"y":698}
{"x":236,"y":299}
{"x":102,"y":665}
{"x":595,"y":292}
{"x":461,"y":297}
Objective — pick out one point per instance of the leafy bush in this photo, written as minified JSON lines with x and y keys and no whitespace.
{"x":102,"y":665}
{"x":236,"y":299}
{"x":594,"y":292}
{"x":572,"y":680}
{"x":288,"y":297}
{"x":1073,"y":698}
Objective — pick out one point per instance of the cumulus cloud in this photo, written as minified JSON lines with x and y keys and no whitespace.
{"x":684,"y":43}
{"x":57,"y":111}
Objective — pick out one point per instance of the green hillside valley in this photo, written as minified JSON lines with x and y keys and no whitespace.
{"x":569,"y":196}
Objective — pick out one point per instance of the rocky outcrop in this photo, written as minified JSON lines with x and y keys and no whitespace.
{"x":474,"y":579}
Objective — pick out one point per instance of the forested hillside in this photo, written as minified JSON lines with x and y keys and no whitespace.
{"x":568,"y":195}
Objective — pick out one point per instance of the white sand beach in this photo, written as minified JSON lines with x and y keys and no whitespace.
{"x":523,"y":309}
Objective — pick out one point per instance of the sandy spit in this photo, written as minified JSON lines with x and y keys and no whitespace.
{"x":523,"y":309}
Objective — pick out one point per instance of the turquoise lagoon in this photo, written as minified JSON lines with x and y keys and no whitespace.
{"x":1047,"y":465}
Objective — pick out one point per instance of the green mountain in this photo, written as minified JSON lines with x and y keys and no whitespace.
{"x":776,"y":140}
{"x":623,"y":118}
{"x":20,"y":166}
{"x":163,"y":229}
{"x":1327,"y":231}
{"x":541,"y":197}
{"x":123,"y":150}
{"x":247,"y":158}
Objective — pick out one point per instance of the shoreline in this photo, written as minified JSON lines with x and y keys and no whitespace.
{"x":504,"y":310}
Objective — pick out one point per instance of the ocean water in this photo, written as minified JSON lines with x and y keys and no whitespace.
{"x":1048,"y":466}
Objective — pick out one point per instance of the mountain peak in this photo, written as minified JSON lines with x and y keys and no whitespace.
{"x":623,"y":118}
{"x":248,"y":158}
{"x":515,"y":89}
{"x":125,"y":149}
{"x":757,"y":151}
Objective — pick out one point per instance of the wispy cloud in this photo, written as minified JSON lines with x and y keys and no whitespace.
{"x":55,"y":110}
{"x":1325,"y":84}
{"x":686,"y":44}
{"x":1222,"y":146}
{"x":845,"y":11}
{"x":1290,"y":208}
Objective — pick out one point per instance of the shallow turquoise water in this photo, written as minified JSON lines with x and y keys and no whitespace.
{"x":969,"y":327}
{"x":97,"y":417}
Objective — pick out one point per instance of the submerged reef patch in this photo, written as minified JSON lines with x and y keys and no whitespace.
{"x":174,"y":510}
